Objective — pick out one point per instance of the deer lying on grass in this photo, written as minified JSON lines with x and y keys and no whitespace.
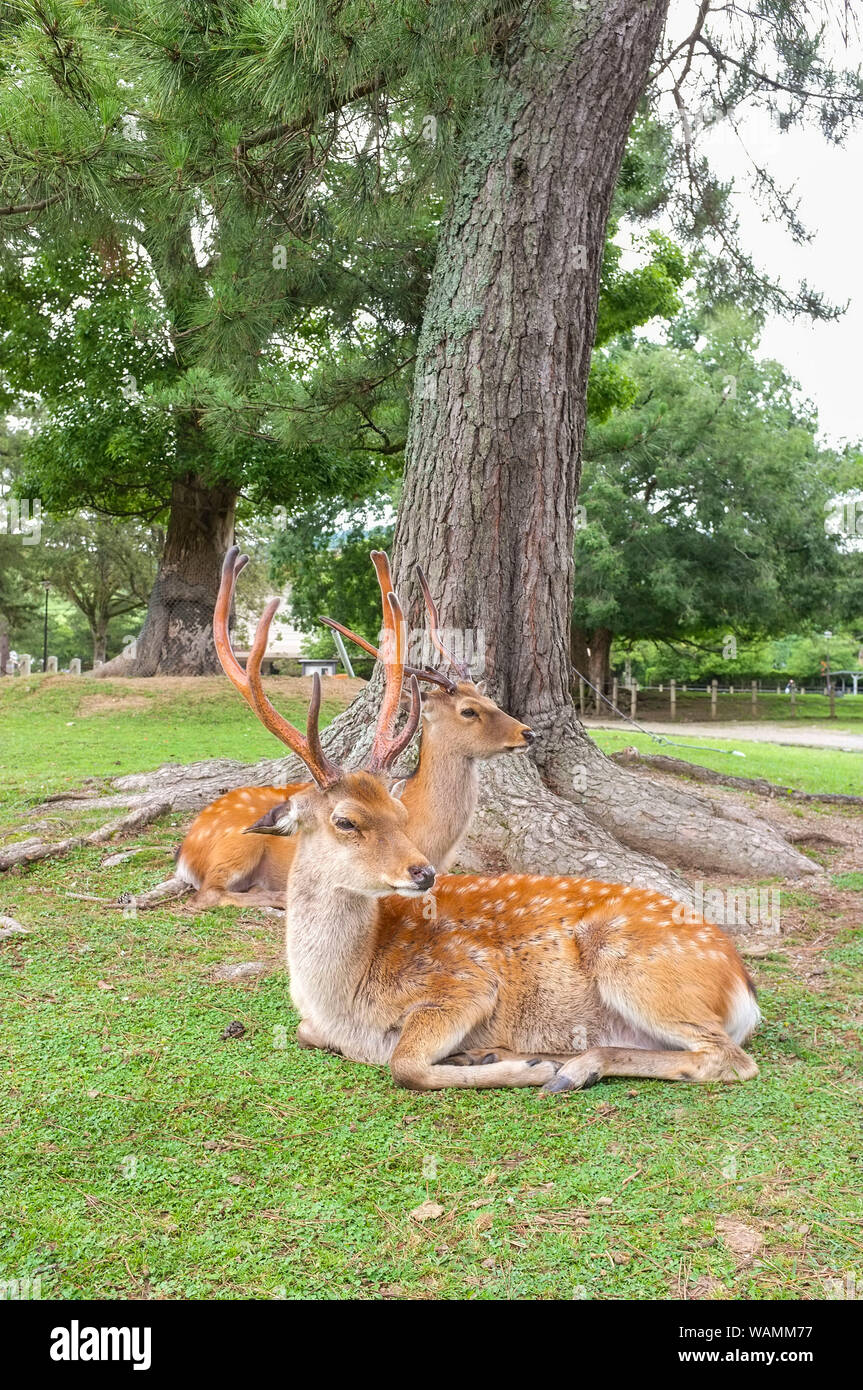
{"x":512,"y":981}
{"x":460,"y":726}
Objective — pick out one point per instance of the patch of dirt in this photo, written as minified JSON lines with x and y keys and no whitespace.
{"x":743,"y":1241}
{"x":111,"y":704}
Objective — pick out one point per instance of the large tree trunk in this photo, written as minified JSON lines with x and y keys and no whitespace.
{"x":177,"y":636}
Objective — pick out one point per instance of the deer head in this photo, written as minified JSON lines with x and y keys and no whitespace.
{"x":354,"y":819}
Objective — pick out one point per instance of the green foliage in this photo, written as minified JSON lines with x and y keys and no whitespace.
{"x":705,"y":499}
{"x":325,"y":560}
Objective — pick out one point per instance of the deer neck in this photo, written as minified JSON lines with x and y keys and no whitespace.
{"x":440,"y":798}
{"x":331,"y":937}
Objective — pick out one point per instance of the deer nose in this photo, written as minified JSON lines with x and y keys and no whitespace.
{"x":422,"y":875}
{"x":528,"y":735}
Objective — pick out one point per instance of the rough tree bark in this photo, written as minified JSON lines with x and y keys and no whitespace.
{"x":177,"y":636}
{"x":492,"y":475}
{"x":498,"y":417}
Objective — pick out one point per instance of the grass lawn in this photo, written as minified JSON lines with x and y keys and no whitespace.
{"x":802,"y":769}
{"x":144,"y":1156}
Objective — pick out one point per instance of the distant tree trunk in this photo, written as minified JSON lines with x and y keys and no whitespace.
{"x":4,"y":648}
{"x":100,"y":644}
{"x":600,"y":659}
{"x":177,"y":636}
{"x":579,"y":650}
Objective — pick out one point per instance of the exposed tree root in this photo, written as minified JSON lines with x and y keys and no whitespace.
{"x":31,"y":851}
{"x":678,"y":826}
{"x":167,"y":891}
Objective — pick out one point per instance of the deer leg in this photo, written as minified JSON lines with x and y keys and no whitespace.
{"x":308,"y":1036}
{"x":714,"y":1058}
{"x":474,"y":1056}
{"x":430,"y":1034}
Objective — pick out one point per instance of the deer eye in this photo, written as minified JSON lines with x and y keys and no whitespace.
{"x":468,"y":713}
{"x":342,"y":823}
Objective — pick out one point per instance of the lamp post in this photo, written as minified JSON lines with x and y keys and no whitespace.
{"x":46,"y":586}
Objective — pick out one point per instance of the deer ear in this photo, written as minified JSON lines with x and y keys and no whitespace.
{"x":481,"y":687}
{"x":279,"y":820}
{"x":397,"y":788}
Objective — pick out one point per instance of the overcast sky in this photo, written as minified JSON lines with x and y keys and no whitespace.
{"x":826,"y":358}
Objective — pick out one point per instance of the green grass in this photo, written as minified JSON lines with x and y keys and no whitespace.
{"x":56,"y":733}
{"x":802,"y":769}
{"x":141,"y":1156}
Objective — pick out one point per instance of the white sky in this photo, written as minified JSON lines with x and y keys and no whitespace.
{"x":825,"y":358}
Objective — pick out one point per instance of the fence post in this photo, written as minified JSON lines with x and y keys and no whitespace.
{"x":713,"y":688}
{"x":755,"y":697}
{"x":633,"y":693}
{"x":672,"y":692}
{"x":581,"y":694}
{"x":614,"y":692}
{"x":794,"y":699}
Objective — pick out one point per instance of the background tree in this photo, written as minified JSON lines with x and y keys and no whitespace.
{"x":17,"y":568}
{"x":704,"y":503}
{"x":105,"y":569}
{"x":216,"y":253}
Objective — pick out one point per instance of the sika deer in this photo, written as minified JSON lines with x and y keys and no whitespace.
{"x":573,"y":979}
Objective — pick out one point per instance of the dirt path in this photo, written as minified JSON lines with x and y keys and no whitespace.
{"x":789,"y":734}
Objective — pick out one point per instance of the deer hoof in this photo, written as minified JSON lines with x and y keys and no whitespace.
{"x":562,"y":1082}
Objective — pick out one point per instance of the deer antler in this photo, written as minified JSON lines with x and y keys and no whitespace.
{"x":461,"y":668}
{"x":386,"y":746}
{"x":248,"y":682}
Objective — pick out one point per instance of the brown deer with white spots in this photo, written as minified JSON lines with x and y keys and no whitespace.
{"x":460,"y":726}
{"x":512,"y":981}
